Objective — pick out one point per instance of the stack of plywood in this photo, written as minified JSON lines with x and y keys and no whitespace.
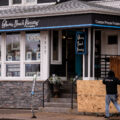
{"x":91,"y":96}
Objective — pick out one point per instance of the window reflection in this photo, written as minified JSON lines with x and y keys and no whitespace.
{"x":33,"y":46}
{"x":55,"y":45}
{"x":31,"y":69}
{"x":0,"y":48}
{"x":13,"y":47}
{"x":13,"y":70}
{"x":30,"y":1}
{"x":17,"y":1}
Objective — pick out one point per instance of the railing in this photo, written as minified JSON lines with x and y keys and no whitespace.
{"x":72,"y":90}
{"x":43,"y":101}
{"x":102,"y":65}
{"x":32,"y":95}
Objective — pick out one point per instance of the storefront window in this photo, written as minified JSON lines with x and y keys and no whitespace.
{"x":13,"y":47}
{"x":32,"y":46}
{"x":17,"y":1}
{"x":12,"y":70}
{"x":30,"y":1}
{"x":0,"y":70}
{"x":0,"y":48}
{"x":31,"y":69}
{"x":21,"y":55}
{"x":56,"y":45}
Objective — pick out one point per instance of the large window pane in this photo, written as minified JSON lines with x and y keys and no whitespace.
{"x":33,"y":46}
{"x":55,"y":45}
{"x":30,"y":1}
{"x":0,"y":70}
{"x":31,"y":69}
{"x":13,"y":70}
{"x":17,"y":1}
{"x":13,"y":47}
{"x":0,"y":48}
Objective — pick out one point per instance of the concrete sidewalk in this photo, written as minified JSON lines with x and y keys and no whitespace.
{"x":27,"y":115}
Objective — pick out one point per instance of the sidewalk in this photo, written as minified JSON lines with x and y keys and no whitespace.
{"x":27,"y":115}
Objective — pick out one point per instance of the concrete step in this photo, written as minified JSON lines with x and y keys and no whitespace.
{"x":58,"y":110}
{"x":62,"y":90}
{"x":63,"y":100}
{"x":64,"y":105}
{"x":67,"y":95}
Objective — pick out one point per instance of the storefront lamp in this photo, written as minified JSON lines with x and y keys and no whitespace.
{"x":57,"y":1}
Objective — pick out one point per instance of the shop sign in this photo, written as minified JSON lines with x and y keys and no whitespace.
{"x":27,"y":23}
{"x":105,"y":22}
{"x":80,"y":44}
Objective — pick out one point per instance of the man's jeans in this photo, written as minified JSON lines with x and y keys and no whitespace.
{"x":113,"y":99}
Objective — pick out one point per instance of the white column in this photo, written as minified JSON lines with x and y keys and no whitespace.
{"x":44,"y":37}
{"x":93,"y":53}
{"x":89,"y":51}
{"x":83,"y":67}
{"x":3,"y":67}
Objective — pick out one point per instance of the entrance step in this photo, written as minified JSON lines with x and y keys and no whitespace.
{"x":63,"y":100}
{"x":64,"y":105}
{"x":58,"y":110}
{"x":67,"y":95}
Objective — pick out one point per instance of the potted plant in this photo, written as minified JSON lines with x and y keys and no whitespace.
{"x":55,"y":84}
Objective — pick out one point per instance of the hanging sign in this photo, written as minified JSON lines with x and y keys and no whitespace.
{"x":80,"y":44}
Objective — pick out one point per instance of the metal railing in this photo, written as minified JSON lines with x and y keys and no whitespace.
{"x":32,"y":95}
{"x":43,"y":100}
{"x":102,"y":65}
{"x":72,"y":90}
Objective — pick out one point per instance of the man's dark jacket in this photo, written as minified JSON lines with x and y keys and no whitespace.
{"x":111,"y":85}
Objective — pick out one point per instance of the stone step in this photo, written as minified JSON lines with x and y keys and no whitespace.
{"x":63,"y":100}
{"x":66,"y":87}
{"x":58,"y":110}
{"x":62,"y":90}
{"x":67,"y":95}
{"x":64,"y":105}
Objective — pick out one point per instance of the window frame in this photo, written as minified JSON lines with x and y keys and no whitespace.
{"x":23,"y":2}
{"x":59,"y":61}
{"x":22,"y":61}
{"x":31,"y":61}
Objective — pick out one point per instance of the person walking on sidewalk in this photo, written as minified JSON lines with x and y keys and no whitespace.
{"x":111,"y":83}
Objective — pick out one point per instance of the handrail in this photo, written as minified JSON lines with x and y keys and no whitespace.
{"x":72,"y":93}
{"x":43,"y":92}
{"x":32,"y":95}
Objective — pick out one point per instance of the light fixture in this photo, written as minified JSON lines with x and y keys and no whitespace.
{"x":57,"y":1}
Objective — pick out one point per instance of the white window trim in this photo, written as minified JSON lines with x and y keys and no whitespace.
{"x":59,"y":61}
{"x":22,"y":61}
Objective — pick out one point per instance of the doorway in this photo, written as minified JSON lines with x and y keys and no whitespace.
{"x":71,"y":63}
{"x":73,"y":60}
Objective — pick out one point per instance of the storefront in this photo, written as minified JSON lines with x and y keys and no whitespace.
{"x":52,"y":42}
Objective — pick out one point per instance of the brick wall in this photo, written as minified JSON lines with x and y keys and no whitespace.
{"x":91,"y":96}
{"x":17,"y":94}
